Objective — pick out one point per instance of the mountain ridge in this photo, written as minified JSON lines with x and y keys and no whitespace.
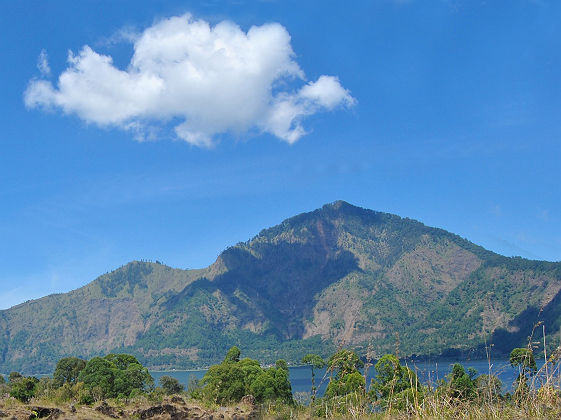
{"x":338,"y":275}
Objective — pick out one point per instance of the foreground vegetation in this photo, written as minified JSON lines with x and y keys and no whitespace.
{"x":118,"y":386}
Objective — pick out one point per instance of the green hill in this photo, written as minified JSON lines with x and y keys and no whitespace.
{"x":340,"y":275}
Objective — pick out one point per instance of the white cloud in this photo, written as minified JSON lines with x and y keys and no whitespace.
{"x":287,"y":110}
{"x":212,"y":79}
{"x":43,"y":63}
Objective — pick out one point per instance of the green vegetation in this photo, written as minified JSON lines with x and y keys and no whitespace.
{"x":23,"y":388}
{"x":67,"y":370}
{"x":461,"y":384}
{"x":394,"y":384}
{"x":112,"y":376}
{"x":231,"y":380}
{"x":118,"y":383}
{"x":523,"y":359}
{"x":171,"y":385}
{"x":115,"y":375}
{"x":395,"y":392}
{"x":347,"y":379}
{"x":317,"y":362}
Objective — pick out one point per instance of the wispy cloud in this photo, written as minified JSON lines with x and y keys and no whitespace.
{"x":43,"y":63}
{"x":214,"y":79}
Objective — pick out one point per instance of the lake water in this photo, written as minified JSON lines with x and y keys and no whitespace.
{"x":428,"y":372}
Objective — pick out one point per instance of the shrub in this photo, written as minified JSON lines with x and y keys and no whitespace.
{"x":488,"y":388}
{"x":67,"y":370}
{"x":194,"y":387}
{"x":232,"y":379}
{"x":523,"y":359}
{"x":171,"y":385}
{"x":14,"y":376}
{"x":45,"y":387}
{"x":461,"y":384}
{"x":347,"y":379}
{"x":392,"y":378}
{"x":24,"y":388}
{"x":115,"y":375}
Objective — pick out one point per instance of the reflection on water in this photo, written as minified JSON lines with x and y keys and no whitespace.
{"x":428,"y":372}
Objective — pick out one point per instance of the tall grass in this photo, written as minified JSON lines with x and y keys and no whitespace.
{"x":539,"y":398}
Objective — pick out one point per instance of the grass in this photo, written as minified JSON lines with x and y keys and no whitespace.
{"x":482,"y":399}
{"x":541,"y":403}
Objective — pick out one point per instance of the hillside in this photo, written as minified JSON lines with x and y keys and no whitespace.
{"x":340,"y":275}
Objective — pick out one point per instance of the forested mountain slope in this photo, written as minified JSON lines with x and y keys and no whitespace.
{"x":340,"y":275}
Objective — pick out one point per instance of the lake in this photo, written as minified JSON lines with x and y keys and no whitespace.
{"x":428,"y":372}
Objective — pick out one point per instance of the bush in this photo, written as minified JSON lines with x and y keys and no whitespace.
{"x":488,"y":388}
{"x":347,"y":378}
{"x":194,"y":387}
{"x":391,"y":379}
{"x":85,"y":397}
{"x":231,"y":380}
{"x":523,"y":359}
{"x":115,"y":375}
{"x":68,"y":392}
{"x":461,"y":384}
{"x":14,"y":376}
{"x":45,"y":387}
{"x":157,"y":395}
{"x":171,"y":385}
{"x":24,"y":389}
{"x":67,"y":370}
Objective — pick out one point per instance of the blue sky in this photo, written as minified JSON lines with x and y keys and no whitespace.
{"x":445,"y":111}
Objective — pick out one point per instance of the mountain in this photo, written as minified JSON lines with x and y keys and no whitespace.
{"x":337,"y":276}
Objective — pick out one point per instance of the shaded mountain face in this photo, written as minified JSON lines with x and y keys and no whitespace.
{"x":337,"y":276}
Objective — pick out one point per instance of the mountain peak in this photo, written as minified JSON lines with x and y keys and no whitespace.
{"x":336,"y":205}
{"x":342,"y":206}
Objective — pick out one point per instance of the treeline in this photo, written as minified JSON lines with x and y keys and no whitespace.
{"x":394,"y":390}
{"x":84,"y":382}
{"x":122,"y":377}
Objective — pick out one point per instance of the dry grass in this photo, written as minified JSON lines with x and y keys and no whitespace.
{"x":431,"y":408}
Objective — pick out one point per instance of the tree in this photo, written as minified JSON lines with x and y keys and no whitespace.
{"x":347,"y":378}
{"x":99,"y":373}
{"x":233,"y":355}
{"x":67,"y":370}
{"x":462,"y":385}
{"x":230,"y":381}
{"x":24,"y":388}
{"x":233,"y":379}
{"x":171,"y":385}
{"x":134,"y":378}
{"x":345,"y":362}
{"x":393,"y":382}
{"x":523,"y":359}
{"x":314,"y":361}
{"x":272,"y":384}
{"x":122,"y":361}
{"x":116,"y":375}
